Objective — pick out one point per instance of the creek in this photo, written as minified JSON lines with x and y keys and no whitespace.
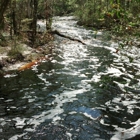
{"x":86,"y":92}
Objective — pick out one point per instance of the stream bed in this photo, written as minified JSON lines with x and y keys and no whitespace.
{"x":86,"y":92}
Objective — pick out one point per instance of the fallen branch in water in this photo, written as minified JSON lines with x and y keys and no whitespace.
{"x":28,"y":65}
{"x":33,"y":63}
{"x":65,"y":36}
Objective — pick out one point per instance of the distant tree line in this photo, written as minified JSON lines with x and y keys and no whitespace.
{"x":123,"y":14}
{"x":118,"y":15}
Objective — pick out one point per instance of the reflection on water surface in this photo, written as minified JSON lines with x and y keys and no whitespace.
{"x":86,"y":92}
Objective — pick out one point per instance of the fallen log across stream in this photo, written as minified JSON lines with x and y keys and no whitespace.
{"x":68,"y":37}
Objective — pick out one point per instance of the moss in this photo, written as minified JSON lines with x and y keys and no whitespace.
{"x":34,"y":56}
{"x":2,"y":50}
{"x":16,"y":53}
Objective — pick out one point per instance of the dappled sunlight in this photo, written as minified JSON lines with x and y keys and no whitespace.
{"x":87,"y":90}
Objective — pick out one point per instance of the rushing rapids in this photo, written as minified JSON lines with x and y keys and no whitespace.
{"x":88,"y":91}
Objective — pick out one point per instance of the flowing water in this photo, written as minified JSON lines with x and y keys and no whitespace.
{"x":86,"y":92}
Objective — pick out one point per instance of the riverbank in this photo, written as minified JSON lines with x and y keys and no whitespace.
{"x":23,"y":55}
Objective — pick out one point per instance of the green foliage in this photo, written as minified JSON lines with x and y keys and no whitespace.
{"x":120,"y":16}
{"x":61,"y":7}
{"x":13,"y":52}
{"x":88,"y":13}
{"x":15,"y":49}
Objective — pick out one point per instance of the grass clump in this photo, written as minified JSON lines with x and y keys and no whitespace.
{"x":15,"y":52}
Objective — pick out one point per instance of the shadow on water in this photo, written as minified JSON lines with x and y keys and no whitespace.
{"x":85,"y":92}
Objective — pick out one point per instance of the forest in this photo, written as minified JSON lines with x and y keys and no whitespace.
{"x":18,"y":20}
{"x":119,"y":16}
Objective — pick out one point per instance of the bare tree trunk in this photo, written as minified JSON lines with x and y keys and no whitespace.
{"x":107,"y":4}
{"x":13,"y":16}
{"x":48,"y":15}
{"x":3,"y":7}
{"x":94,"y":6}
{"x":34,"y":22}
{"x":29,"y":8}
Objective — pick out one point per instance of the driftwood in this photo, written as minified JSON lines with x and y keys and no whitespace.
{"x":33,"y":63}
{"x":65,"y":36}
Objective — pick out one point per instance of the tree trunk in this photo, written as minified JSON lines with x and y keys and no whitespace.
{"x":48,"y":15}
{"x":3,"y":7}
{"x":29,"y":8}
{"x":13,"y":16}
{"x":34,"y":22}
